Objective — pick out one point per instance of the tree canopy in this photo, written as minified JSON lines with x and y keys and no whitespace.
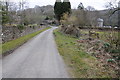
{"x":66,"y":6}
{"x":57,"y":10}
{"x":80,"y":6}
{"x":61,"y":7}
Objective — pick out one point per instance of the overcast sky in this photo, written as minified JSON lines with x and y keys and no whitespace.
{"x":97,"y":4}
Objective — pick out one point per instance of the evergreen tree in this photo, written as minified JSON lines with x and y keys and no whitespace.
{"x":66,"y":6}
{"x":5,"y":17}
{"x":4,"y":12}
{"x":61,"y":8}
{"x":80,"y":6}
{"x":58,"y":9}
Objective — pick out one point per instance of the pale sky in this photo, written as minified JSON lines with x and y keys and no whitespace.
{"x":97,"y":4}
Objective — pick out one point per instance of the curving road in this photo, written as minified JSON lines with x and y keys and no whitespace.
{"x":38,"y":58}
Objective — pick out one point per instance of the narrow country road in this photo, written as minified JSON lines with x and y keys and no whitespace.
{"x":38,"y":58}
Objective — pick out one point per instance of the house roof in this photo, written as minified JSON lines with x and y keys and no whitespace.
{"x":100,"y":20}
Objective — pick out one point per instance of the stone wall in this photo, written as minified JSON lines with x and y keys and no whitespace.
{"x":12,"y":32}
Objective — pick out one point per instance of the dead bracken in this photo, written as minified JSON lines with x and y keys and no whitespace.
{"x":99,"y":49}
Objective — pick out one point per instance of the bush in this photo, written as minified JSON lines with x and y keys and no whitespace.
{"x":115,"y":51}
{"x":20,"y":26}
{"x":110,"y":60}
{"x":69,"y":19}
{"x":33,"y":27}
{"x":106,"y":46}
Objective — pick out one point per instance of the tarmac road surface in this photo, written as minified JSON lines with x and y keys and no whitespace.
{"x":38,"y":58}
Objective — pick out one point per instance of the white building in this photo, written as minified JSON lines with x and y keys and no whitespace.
{"x":100,"y":22}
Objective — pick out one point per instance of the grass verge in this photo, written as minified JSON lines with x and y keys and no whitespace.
{"x":80,"y":64}
{"x":17,"y":42}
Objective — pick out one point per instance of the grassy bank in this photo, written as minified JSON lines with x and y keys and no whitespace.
{"x":80,"y":64}
{"x":17,"y":42}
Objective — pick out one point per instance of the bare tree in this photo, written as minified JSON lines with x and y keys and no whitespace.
{"x":22,"y":6}
{"x":113,"y":6}
{"x":92,"y":16}
{"x":90,"y":8}
{"x":13,"y":12}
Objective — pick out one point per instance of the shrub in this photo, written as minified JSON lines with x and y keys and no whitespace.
{"x":68,"y":20}
{"x":110,"y":60}
{"x":106,"y":46}
{"x":115,"y":51}
{"x":20,"y":27}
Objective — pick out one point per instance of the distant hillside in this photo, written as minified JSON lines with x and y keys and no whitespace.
{"x":92,"y":17}
{"x":46,"y":10}
{"x":38,"y":14}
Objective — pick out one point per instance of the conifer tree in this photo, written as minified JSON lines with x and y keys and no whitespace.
{"x":66,"y":6}
{"x":61,"y":8}
{"x":80,"y":6}
{"x":58,"y":9}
